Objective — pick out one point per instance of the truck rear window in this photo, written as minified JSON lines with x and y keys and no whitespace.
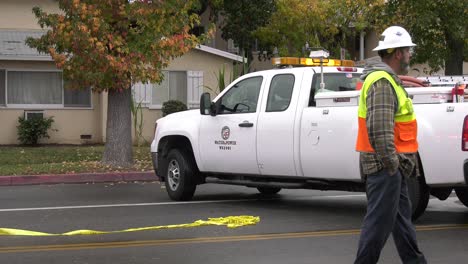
{"x":336,"y":82}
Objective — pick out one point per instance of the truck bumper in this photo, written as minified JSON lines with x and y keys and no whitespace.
{"x":154,"y":158}
{"x":465,"y":170}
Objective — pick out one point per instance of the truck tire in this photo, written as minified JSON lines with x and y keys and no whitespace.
{"x":418,"y":194}
{"x":462,"y":194}
{"x":269,"y":190}
{"x":180,"y":178}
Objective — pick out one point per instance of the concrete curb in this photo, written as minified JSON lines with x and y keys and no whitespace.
{"x":77,"y":178}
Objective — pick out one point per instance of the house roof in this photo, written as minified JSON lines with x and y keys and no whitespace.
{"x":13,"y":47}
{"x":221,"y":53}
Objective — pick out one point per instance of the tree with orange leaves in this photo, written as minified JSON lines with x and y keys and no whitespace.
{"x":110,"y":44}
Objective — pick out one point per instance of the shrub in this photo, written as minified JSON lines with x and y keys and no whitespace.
{"x":32,"y":129}
{"x":172,"y":106}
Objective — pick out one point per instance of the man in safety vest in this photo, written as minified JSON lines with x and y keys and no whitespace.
{"x":387,"y":142}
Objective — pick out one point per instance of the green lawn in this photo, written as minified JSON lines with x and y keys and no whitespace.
{"x":18,"y":160}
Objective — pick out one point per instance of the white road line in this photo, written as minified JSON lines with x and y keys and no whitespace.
{"x":173,"y":203}
{"x":449,"y":205}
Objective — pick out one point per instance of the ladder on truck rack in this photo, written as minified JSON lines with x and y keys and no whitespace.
{"x":445,"y":80}
{"x":428,"y":95}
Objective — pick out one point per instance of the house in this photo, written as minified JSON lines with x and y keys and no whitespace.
{"x":30,"y":84}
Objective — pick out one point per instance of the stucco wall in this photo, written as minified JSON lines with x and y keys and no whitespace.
{"x":17,"y":14}
{"x":70,"y":123}
{"x":197,"y":60}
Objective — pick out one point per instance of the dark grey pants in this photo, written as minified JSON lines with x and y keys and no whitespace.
{"x":388,"y":211}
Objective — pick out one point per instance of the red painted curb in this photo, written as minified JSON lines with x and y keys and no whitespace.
{"x":5,"y":181}
{"x":77,"y":178}
{"x":141,"y":176}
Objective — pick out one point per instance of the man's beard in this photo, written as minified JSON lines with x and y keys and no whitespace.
{"x":404,"y":68}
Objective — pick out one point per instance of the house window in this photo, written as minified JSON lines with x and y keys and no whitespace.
{"x":173,"y":87}
{"x":160,"y":91}
{"x":39,"y":89}
{"x":34,"y":87}
{"x":185,"y":86}
{"x":77,"y":98}
{"x":2,"y":87}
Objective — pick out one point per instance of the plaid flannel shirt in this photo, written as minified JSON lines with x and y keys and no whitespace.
{"x":382,"y":104}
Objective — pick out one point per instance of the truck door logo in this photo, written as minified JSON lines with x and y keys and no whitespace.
{"x":225,"y":144}
{"x":225,"y":133}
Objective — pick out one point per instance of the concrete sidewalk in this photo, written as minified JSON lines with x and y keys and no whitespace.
{"x":78,"y":178}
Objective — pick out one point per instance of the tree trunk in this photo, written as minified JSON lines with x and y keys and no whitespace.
{"x":118,"y":148}
{"x":454,"y":62}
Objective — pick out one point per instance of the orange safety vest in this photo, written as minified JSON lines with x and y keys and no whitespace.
{"x":405,"y":129}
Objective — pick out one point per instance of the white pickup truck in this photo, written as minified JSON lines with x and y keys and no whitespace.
{"x":277,"y":129}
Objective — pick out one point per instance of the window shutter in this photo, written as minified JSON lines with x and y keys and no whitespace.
{"x":194,"y":88}
{"x":141,"y":93}
{"x":148,"y":94}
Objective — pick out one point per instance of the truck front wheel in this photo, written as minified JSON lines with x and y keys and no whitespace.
{"x":180,"y":178}
{"x":462,"y":194}
{"x":418,"y":194}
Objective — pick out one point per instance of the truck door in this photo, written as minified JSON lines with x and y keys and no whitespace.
{"x":228,"y":140}
{"x":329,"y":131}
{"x":275,"y":130}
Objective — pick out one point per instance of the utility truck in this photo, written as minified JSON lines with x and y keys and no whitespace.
{"x":281,"y":128}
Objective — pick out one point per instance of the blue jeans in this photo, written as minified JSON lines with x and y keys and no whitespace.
{"x":388,"y":211}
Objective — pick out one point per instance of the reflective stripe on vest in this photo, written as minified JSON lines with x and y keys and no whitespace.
{"x":406,"y":128}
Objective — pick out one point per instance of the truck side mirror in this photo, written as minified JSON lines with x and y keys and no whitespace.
{"x":216,"y":107}
{"x":205,"y":104}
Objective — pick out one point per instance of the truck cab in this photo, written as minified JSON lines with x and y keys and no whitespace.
{"x":253,"y":130}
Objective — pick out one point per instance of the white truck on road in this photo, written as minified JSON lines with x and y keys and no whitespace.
{"x":278,"y":129}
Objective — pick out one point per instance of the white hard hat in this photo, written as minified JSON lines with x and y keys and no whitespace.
{"x":394,"y":37}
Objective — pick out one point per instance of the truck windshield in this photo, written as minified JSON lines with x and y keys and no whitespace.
{"x":336,"y":81}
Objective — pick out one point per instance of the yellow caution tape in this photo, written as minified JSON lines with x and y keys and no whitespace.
{"x":229,"y":221}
